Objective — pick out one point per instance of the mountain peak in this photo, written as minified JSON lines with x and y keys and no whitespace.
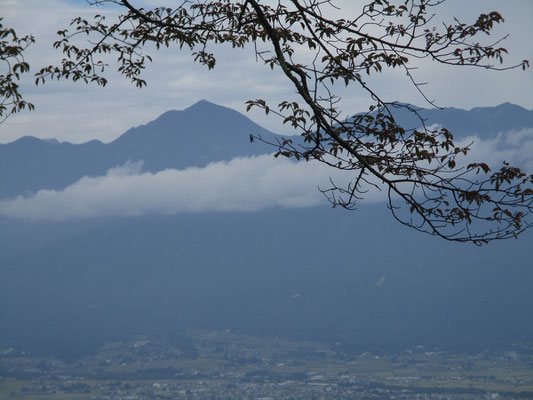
{"x":506,"y":107}
{"x":196,"y":136}
{"x":204,"y":106}
{"x":203,"y":103}
{"x":28,"y":141}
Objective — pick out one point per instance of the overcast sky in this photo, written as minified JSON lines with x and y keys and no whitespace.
{"x":78,"y":112}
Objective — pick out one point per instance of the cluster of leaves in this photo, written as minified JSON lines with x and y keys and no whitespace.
{"x":13,"y":66}
{"x":429,"y":186}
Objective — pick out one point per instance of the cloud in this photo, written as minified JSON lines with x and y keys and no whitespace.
{"x":515,"y":147}
{"x":242,"y":184}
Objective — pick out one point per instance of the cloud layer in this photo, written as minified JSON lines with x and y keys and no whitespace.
{"x":242,"y":184}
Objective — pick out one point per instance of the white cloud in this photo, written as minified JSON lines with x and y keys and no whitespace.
{"x":242,"y":184}
{"x":515,"y":147}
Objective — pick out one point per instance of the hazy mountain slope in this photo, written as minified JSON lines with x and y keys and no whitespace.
{"x":200,"y":134}
{"x":484,"y":122}
{"x":354,"y":277}
{"x":196,"y":136}
{"x":359,"y":279}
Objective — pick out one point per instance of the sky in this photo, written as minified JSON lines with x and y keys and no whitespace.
{"x":77,"y":112}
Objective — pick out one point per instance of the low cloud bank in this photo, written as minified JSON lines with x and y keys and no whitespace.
{"x":515,"y":147}
{"x":242,"y":184}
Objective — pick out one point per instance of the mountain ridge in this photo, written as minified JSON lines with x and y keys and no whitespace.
{"x":506,"y":107}
{"x":196,"y":136}
{"x":357,"y":278}
{"x":176,"y":139}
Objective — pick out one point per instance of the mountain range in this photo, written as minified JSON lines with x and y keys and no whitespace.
{"x":357,"y":278}
{"x":196,"y":136}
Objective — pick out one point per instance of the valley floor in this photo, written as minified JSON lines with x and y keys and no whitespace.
{"x":223,"y":365}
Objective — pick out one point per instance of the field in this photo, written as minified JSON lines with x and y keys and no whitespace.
{"x":223,"y":365}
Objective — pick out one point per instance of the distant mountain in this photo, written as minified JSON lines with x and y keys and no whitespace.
{"x":484,"y":122}
{"x":358,"y":278}
{"x":196,"y":136}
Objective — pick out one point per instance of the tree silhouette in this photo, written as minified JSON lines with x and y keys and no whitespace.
{"x":430,"y":185}
{"x":13,"y":66}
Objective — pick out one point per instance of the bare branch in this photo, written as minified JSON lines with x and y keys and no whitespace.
{"x":429,"y":184}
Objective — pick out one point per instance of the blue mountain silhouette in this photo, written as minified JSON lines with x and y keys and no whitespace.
{"x":196,"y":136}
{"x":358,"y":278}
